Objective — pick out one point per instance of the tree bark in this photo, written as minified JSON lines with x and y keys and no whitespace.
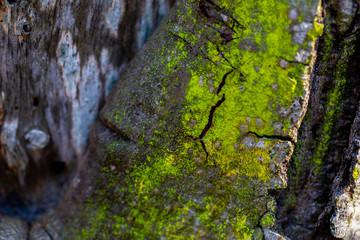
{"x":195,"y":138}
{"x":196,"y":135}
{"x":58,"y":62}
{"x":320,"y":202}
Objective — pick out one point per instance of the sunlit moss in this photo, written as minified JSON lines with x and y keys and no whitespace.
{"x":356,"y":173}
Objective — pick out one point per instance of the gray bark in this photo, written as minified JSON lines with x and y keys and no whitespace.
{"x":58,"y":62}
{"x":321,"y":200}
{"x":134,"y":125}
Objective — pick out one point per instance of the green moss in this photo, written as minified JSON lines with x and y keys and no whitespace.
{"x":249,"y":89}
{"x":268,"y":220}
{"x":333,"y":107}
{"x":181,"y":190}
{"x":356,"y":173}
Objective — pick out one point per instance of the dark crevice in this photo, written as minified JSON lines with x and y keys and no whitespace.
{"x":205,"y":150}
{"x":47,"y":232}
{"x":35,"y":101}
{"x":215,"y":13}
{"x":275,"y":137}
{"x":223,"y":82}
{"x":118,"y":131}
{"x":188,"y":45}
{"x":306,"y":206}
{"x":221,"y":10}
{"x":28,"y":230}
{"x":222,"y":54}
{"x":57,"y":167}
{"x":193,"y":49}
{"x":211,"y":117}
{"x":297,"y":62}
{"x":12,"y":2}
{"x":208,"y":126}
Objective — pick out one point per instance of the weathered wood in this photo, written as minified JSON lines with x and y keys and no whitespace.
{"x":13,"y":229}
{"x":58,"y":62}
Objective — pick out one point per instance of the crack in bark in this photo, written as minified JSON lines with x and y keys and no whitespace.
{"x":28,"y":230}
{"x":222,"y":54}
{"x":274,"y":137}
{"x":211,"y":116}
{"x":209,"y":9}
{"x":223,"y":82}
{"x":208,"y":126}
{"x":221,"y":10}
{"x":193,"y":49}
{"x":47,"y":232}
{"x":54,"y":19}
{"x":297,"y":62}
{"x":118,"y":132}
{"x":226,"y":36}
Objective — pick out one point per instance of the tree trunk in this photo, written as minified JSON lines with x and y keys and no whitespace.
{"x":195,"y":138}
{"x":323,"y":187}
{"x":58,"y":61}
{"x":196,"y":135}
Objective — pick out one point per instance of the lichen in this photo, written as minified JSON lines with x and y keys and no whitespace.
{"x":207,"y":173}
{"x":356,"y":174}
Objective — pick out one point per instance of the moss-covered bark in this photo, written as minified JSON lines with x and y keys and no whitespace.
{"x":202,"y":123}
{"x":319,"y":201}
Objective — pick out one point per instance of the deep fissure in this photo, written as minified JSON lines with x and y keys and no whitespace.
{"x":47,"y":232}
{"x":275,"y":137}
{"x":306,"y":181}
{"x":222,"y":84}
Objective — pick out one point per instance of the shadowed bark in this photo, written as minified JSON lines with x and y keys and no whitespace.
{"x":58,"y":62}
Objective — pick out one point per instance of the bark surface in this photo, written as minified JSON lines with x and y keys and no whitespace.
{"x":58,"y":62}
{"x":195,"y":138}
{"x":197,"y":133}
{"x":321,"y":198}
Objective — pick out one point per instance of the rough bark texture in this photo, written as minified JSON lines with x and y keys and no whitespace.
{"x":58,"y":62}
{"x":319,"y":202}
{"x":198,"y":131}
{"x":195,"y":138}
